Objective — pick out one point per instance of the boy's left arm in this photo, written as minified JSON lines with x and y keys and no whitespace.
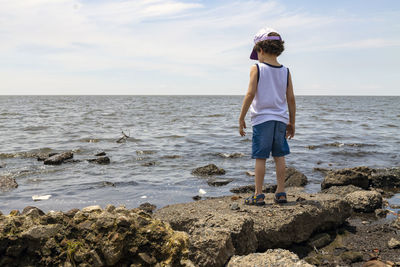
{"x":251,"y":92}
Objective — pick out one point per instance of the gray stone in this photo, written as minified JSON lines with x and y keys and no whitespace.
{"x":92,"y":208}
{"x":364,"y":201}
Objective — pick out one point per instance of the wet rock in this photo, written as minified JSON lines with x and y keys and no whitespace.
{"x":364,"y":201}
{"x":7,"y":183}
{"x":106,"y":183}
{"x":219,"y":181}
{"x":393,"y":243}
{"x":341,"y":190}
{"x":294,"y":177}
{"x":100,"y":160}
{"x":385,"y":178}
{"x":208,"y":170}
{"x":323,"y":170}
{"x":197,"y":197}
{"x":250,"y":173}
{"x":231,"y":155}
{"x":57,"y":159}
{"x":350,"y":176}
{"x":100,"y":154}
{"x":44,"y":156}
{"x":363,"y":177}
{"x":216,"y":232}
{"x":272,"y":257}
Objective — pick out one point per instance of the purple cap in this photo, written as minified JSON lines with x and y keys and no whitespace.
{"x":262,"y":35}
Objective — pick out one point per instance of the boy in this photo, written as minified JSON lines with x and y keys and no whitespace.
{"x":269,"y":96}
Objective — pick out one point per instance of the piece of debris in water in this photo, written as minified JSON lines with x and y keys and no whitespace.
{"x":143,"y":197}
{"x":38,"y":198}
{"x":250,"y":173}
{"x":202,"y":191}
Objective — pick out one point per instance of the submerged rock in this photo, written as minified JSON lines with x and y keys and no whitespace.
{"x":57,"y":159}
{"x":272,"y":257}
{"x":90,"y":237}
{"x":208,"y":170}
{"x":219,"y":181}
{"x":100,"y":160}
{"x":100,"y":154}
{"x":217,"y":232}
{"x":7,"y":183}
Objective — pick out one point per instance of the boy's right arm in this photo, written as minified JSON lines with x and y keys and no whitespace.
{"x":251,"y":92}
{"x":290,"y":129}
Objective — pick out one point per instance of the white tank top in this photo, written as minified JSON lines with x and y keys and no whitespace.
{"x":270,"y":102}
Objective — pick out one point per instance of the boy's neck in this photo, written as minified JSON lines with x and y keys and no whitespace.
{"x":268,"y":58}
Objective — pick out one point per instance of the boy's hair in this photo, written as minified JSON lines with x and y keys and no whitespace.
{"x":274,"y":47}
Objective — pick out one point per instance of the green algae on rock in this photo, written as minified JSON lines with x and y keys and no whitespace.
{"x":90,"y":237}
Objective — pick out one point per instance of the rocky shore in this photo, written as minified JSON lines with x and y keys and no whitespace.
{"x":343,"y":225}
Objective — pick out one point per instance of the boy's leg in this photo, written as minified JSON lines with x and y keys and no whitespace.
{"x":280,"y":167}
{"x":259,"y":172}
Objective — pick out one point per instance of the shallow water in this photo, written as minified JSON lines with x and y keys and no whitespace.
{"x":331,"y":132}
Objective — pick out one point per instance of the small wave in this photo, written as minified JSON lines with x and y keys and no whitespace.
{"x":145,"y":152}
{"x":90,"y":140}
{"x":353,"y":153}
{"x":215,"y":115}
{"x":10,"y":114}
{"x":338,"y":144}
{"x":173,"y":136}
{"x":35,"y":128}
{"x":231,"y":155}
{"x":392,"y":125}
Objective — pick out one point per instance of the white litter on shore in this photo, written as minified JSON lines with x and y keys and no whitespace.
{"x":143,"y":197}
{"x":202,"y":192}
{"x":37,"y":197}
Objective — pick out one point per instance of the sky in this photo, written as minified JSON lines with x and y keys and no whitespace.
{"x":166,"y":47}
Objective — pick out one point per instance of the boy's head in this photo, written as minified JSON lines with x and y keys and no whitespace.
{"x":268,"y":41}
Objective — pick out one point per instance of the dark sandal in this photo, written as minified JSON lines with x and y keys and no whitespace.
{"x":277,"y":197}
{"x":254,"y":200}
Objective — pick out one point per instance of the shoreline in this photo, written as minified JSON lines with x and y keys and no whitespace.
{"x":342,"y":224}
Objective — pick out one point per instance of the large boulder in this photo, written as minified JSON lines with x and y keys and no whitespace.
{"x":364,"y":201}
{"x":217,"y":232}
{"x":272,"y":257}
{"x":90,"y":237}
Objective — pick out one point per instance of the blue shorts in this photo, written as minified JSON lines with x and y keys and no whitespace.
{"x":269,"y":136}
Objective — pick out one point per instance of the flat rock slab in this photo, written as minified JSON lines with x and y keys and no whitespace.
{"x":208,"y":170}
{"x":217,"y":232}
